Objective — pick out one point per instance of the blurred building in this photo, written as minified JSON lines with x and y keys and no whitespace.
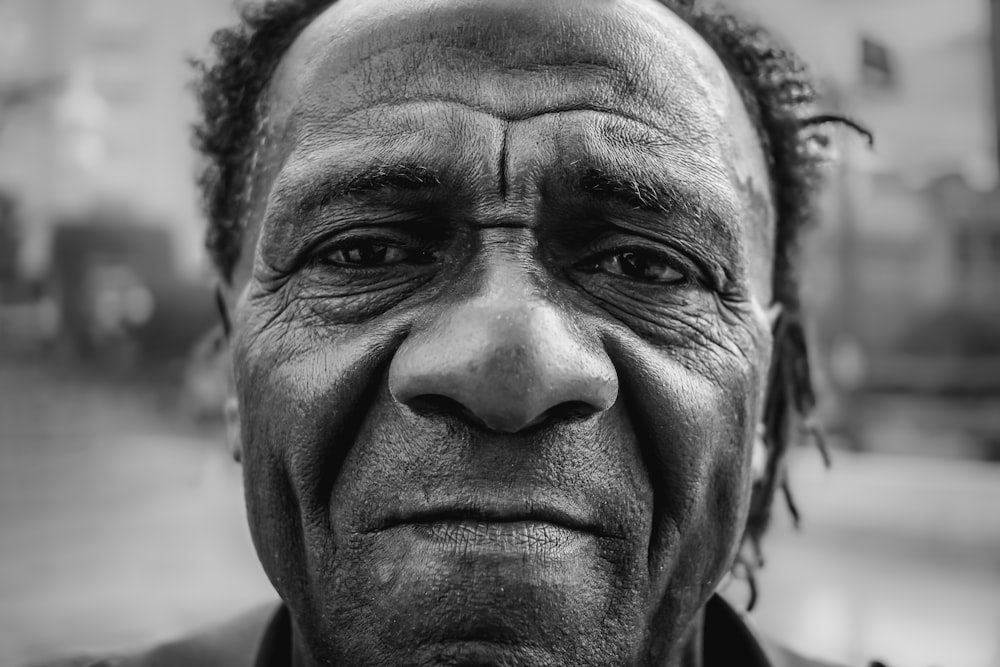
{"x":97,"y":168}
{"x":916,"y":71}
{"x":109,"y":128}
{"x":906,"y":267}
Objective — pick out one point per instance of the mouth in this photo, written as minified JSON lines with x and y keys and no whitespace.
{"x":495,"y":528}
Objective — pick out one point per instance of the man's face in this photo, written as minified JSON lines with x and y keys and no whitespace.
{"x":500,"y":339}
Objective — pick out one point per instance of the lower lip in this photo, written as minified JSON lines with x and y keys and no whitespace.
{"x":518,"y":537}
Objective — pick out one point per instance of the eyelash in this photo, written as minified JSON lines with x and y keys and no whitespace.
{"x":321,"y":255}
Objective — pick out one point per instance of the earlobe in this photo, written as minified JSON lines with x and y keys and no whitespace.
{"x":234,"y":436}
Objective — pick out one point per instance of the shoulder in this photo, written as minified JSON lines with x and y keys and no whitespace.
{"x":783,"y":657}
{"x":730,"y":638}
{"x":232,"y":644}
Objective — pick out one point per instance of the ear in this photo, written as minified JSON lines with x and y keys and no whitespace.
{"x":231,"y":408}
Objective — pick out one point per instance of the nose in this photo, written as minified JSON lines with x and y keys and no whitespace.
{"x":507,"y":363}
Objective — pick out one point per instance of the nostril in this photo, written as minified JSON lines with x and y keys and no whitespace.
{"x":437,"y":405}
{"x":568,"y":412}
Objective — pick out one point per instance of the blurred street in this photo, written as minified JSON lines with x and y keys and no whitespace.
{"x":118,"y":524}
{"x":898,"y":559}
{"x":122,"y":523}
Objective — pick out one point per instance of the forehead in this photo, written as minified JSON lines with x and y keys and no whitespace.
{"x":525,"y":57}
{"x":514,"y":59}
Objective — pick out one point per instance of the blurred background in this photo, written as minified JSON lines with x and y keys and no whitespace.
{"x":121,"y":517}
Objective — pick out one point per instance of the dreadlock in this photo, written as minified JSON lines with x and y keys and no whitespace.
{"x":779,"y":95}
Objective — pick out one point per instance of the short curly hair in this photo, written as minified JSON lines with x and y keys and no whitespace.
{"x":777,"y":90}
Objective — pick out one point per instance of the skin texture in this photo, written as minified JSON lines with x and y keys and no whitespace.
{"x":501,"y":341}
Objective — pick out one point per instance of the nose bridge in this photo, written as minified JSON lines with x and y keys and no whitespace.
{"x":507,"y":355}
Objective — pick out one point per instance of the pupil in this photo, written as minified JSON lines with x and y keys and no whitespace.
{"x":366,"y":254}
{"x":634,"y":265}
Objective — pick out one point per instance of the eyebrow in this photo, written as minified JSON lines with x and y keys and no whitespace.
{"x":638,"y":194}
{"x":690,"y":209}
{"x":641,"y":195}
{"x":403,"y":176}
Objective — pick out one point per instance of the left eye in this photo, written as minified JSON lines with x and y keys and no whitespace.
{"x":639,"y":265}
{"x":368,"y":254}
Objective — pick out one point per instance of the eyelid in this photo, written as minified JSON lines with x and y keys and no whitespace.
{"x":390,"y":234}
{"x":672,"y":256}
{"x":322,"y":225}
{"x":320,"y":252}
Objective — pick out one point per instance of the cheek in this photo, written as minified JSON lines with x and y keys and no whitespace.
{"x":702,"y":445}
{"x":301,"y":404}
{"x":695,"y":429}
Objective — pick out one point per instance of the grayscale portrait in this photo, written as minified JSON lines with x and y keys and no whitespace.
{"x":513,"y":350}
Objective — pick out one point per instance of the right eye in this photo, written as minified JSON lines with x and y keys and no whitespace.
{"x":366,"y":254}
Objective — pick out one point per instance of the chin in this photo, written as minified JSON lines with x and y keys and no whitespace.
{"x":428,"y":601}
{"x":482,"y":653}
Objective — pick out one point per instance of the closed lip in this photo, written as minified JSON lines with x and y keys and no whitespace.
{"x":562,"y":517}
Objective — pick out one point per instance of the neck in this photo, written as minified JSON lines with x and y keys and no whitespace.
{"x":688,"y":652}
{"x":691,"y":653}
{"x":300,"y":654}
{"x":300,"y":657}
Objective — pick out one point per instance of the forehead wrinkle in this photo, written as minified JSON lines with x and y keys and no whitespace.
{"x":328,"y":123}
{"x":618,"y":131}
{"x":618,"y":136}
{"x":512,"y":98}
{"x":702,"y":156}
{"x":634,"y":151}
